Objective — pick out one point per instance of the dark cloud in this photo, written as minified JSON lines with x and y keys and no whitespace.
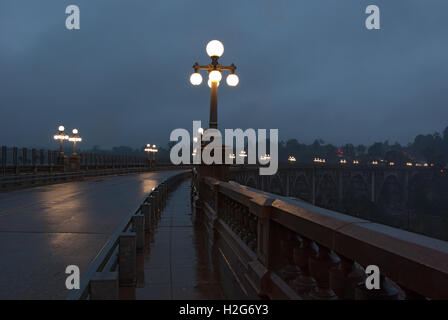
{"x":309,"y":68}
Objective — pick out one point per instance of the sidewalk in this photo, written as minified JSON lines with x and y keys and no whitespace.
{"x":178,"y":264}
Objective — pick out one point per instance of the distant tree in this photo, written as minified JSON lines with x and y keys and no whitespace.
{"x":361,"y":149}
{"x":376,"y":150}
{"x":349,"y":150}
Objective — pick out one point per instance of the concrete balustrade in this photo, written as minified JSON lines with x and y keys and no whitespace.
{"x":127,"y":263}
{"x":281,"y":248}
{"x":145,"y":208}
{"x":139,"y":229}
{"x":118,"y":268}
{"x":104,"y":286}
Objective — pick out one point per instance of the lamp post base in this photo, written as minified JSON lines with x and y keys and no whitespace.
{"x":74,"y":162}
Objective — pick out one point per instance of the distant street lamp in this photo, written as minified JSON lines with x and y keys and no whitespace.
{"x":75,"y":138}
{"x":243,"y":154}
{"x":214,"y":49}
{"x":61,"y":136}
{"x":148,"y":150}
{"x":265,"y":158}
{"x":319,"y":160}
{"x":291,"y":159}
{"x":151,"y":149}
{"x":154,"y":151}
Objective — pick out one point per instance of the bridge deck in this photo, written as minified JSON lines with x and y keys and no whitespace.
{"x":177,"y":265}
{"x":44,"y":229}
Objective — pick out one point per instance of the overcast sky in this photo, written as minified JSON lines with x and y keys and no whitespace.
{"x":309,"y":68}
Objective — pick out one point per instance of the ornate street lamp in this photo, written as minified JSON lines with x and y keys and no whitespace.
{"x":61,"y":136}
{"x":151,"y":149}
{"x":148,"y":150}
{"x":154,"y":151}
{"x":214,"y":49}
{"x":75,"y":138}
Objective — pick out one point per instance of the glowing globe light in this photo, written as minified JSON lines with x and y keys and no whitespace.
{"x":75,"y":131}
{"x":232,"y":80}
{"x":215,"y":48}
{"x":210,"y":83}
{"x":61,"y":128}
{"x":196,"y":79}
{"x":215,"y":76}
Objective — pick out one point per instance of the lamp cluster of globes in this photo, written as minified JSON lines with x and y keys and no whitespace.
{"x":150,"y":148}
{"x":214,"y":49}
{"x":61,"y":135}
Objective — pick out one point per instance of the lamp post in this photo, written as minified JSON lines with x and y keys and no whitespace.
{"x":74,"y":161}
{"x":148,"y":150}
{"x":292,"y":159}
{"x":151,"y":149}
{"x":61,"y":136}
{"x":75,"y":138}
{"x":214,"y":49}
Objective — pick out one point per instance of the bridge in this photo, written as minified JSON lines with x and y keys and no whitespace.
{"x":172,"y":232}
{"x":384,"y":194}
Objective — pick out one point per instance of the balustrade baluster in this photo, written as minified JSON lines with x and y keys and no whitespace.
{"x":289,"y":272}
{"x":15,"y":160}
{"x":41,"y":157}
{"x":302,"y":254}
{"x":320,"y":265}
{"x":387,"y":291}
{"x":345,"y":277}
{"x":4,"y":159}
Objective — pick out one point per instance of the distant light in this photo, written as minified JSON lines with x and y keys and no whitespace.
{"x":75,"y":131}
{"x":61,"y":128}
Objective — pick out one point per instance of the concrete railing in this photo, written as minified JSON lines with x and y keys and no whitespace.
{"x":118,"y":268}
{"x":28,"y":180}
{"x":281,"y":248}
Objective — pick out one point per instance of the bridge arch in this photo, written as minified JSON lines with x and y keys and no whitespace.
{"x":327,"y":192}
{"x":302,"y":188}
{"x":275,"y":185}
{"x":391,"y":196}
{"x":251,"y":182}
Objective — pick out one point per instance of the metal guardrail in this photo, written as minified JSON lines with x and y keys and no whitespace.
{"x":115,"y":264}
